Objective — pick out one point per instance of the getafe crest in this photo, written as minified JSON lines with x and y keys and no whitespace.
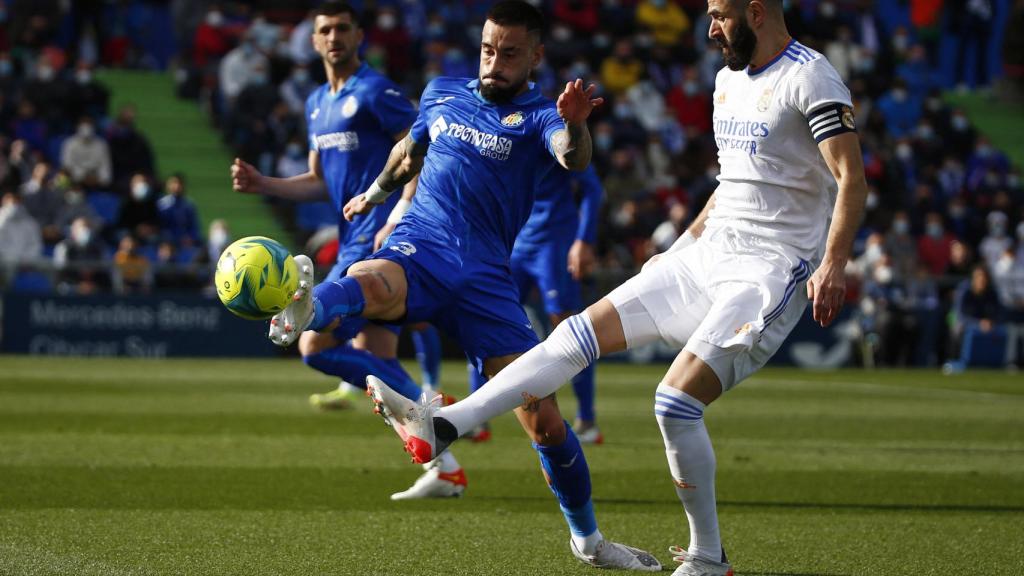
{"x":348,"y":109}
{"x":514,"y":119}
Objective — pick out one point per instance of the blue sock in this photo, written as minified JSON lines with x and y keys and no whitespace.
{"x":583,"y":386}
{"x":569,"y":478}
{"x":428,"y":353}
{"x":355,"y":365}
{"x":342,"y":297}
{"x":476,"y":379}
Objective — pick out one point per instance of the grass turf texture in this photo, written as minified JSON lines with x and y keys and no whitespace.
{"x":114,"y":467}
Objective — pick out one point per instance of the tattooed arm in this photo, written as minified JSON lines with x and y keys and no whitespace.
{"x":404,"y":163}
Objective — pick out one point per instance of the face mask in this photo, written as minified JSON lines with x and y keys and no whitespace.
{"x":579,"y":70}
{"x":1012,"y":181}
{"x":960,"y":123}
{"x":258,"y":79}
{"x":81,"y":236}
{"x":658,"y":3}
{"x":957,"y":211}
{"x":44,"y":73}
{"x":925,"y":132}
{"x":828,"y":9}
{"x":602,"y":41}
{"x":904,"y":152}
{"x":873,"y":252}
{"x":690,"y":88}
{"x":561,"y":34}
{"x":218,"y":237}
{"x":934,"y":230}
{"x":140,"y":191}
{"x":623,"y":110}
{"x":871,"y":202}
{"x":294,"y":150}
{"x":85,"y":130}
{"x":6,"y":68}
{"x":933,"y":104}
{"x":883,"y":274}
{"x":74,"y":198}
{"x":983,"y":151}
{"x":899,"y":95}
{"x":214,"y":19}
{"x":997,"y":230}
{"x":301,"y":75}
{"x":900,"y":43}
{"x":386,"y":21}
{"x":83,"y":76}
{"x":603,"y":142}
{"x":901,"y":227}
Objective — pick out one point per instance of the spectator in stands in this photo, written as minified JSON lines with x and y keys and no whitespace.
{"x":971,"y":23}
{"x":388,"y":34}
{"x":901,"y":247}
{"x":131,"y":272}
{"x":179,"y":222}
{"x":139,"y":216}
{"x":239,"y":68}
{"x":86,"y":156}
{"x":671,"y":229}
{"x":21,"y":240}
{"x":81,"y":259}
{"x":842,"y":53}
{"x":28,"y":127}
{"x":666,"y":21}
{"x":253,"y":104}
{"x":42,"y":202}
{"x":300,"y":48}
{"x":87,"y":96}
{"x":75,"y":206}
{"x":691,"y":104}
{"x":218,"y":238}
{"x":997,"y":242}
{"x":986,"y":164}
{"x":901,"y":112}
{"x":976,"y":313}
{"x":296,"y":88}
{"x":933,"y":249}
{"x":294,"y":161}
{"x":622,"y":69}
{"x":129,"y":150}
{"x":581,"y":15}
{"x":1008,"y":277}
{"x":212,"y":40}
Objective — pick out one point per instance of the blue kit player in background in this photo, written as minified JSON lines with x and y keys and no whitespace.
{"x":353,"y":121}
{"x":479,"y":147}
{"x":553,"y":252}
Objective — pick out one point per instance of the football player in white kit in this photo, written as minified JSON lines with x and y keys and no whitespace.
{"x":775,"y":235}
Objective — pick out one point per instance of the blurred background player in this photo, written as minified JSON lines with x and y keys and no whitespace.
{"x":477,"y":145}
{"x":353,"y":120}
{"x":730,"y":290}
{"x":552,"y":253}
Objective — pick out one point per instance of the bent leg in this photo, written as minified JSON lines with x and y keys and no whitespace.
{"x":374,"y":289}
{"x":324,"y":352}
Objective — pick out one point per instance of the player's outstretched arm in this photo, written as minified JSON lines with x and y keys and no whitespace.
{"x":826,"y":288}
{"x":404,"y":163}
{"x":572,"y":145}
{"x":305,"y":187}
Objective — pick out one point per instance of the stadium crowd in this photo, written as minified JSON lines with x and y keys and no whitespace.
{"x":939,"y":272}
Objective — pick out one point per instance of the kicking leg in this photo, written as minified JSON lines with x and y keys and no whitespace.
{"x":353,"y":363}
{"x":583,"y":387}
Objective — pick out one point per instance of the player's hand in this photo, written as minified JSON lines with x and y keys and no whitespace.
{"x":356,"y":206}
{"x":575,"y":104}
{"x":382,"y":235}
{"x":826,"y":289}
{"x":245,"y":178}
{"x":581,"y":260}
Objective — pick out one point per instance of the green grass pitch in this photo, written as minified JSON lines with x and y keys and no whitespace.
{"x":118,"y":467}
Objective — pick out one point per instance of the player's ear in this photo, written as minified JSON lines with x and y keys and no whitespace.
{"x":755,"y":14}
{"x":538,"y":55}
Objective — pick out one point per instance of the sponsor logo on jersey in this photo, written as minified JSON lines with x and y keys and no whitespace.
{"x":350,"y":107}
{"x":405,"y":248}
{"x":392,"y":92}
{"x":720,"y":98}
{"x":514,"y":119}
{"x":341,"y":141}
{"x":314,"y":114}
{"x":489,"y":145}
{"x":765,"y":100}
{"x":847,"y":118}
{"x":739,"y":134}
{"x":437,"y":128}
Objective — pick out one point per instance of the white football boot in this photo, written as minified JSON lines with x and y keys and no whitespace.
{"x":697,"y":565}
{"x":435,"y":484}
{"x":618,"y":556}
{"x":288,"y":324}
{"x":412,"y":421}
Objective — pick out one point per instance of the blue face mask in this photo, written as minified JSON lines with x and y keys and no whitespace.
{"x":6,"y":68}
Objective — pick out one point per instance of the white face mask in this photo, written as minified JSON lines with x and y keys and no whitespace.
{"x":900,"y":227}
{"x":934,"y":230}
{"x":218,"y":237}
{"x":140,"y":191}
{"x":81,"y":236}
{"x":85,"y":130}
{"x":883,"y":274}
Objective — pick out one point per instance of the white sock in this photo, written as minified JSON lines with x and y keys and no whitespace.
{"x":692,"y":463}
{"x":349,"y":388}
{"x":571,"y":347}
{"x":446,"y":462}
{"x":587,"y":544}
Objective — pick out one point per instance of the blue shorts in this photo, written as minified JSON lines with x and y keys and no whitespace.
{"x":474,"y":302}
{"x":544,"y":266}
{"x":347,"y":256}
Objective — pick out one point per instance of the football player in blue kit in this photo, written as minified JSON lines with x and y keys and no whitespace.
{"x":479,"y":146}
{"x":353,"y":121}
{"x":553,"y":252}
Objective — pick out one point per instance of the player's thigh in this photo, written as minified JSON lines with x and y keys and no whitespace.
{"x":384,"y":287}
{"x":487,"y":319}
{"x":381,"y":341}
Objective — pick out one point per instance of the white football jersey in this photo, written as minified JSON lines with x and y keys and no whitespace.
{"x":774,"y":182}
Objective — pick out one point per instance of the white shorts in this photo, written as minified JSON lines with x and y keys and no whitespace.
{"x":729,"y":299}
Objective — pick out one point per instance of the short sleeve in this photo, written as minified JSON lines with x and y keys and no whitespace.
{"x":420,"y":131}
{"x":818,"y":93}
{"x":310,"y":105}
{"x":549,"y":122}
{"x":393,"y":110}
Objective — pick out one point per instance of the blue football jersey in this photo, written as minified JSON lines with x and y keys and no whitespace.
{"x":354,"y":131}
{"x":555,"y":213}
{"x":479,"y":176}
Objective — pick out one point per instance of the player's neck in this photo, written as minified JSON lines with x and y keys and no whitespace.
{"x":769,"y":47}
{"x":338,"y":75}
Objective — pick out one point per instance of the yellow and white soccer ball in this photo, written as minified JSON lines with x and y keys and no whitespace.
{"x":256,"y":277}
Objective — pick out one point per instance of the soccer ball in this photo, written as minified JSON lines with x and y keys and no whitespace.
{"x":256,"y":277}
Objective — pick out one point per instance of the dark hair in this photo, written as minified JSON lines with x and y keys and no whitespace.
{"x":517,"y":13}
{"x":337,"y":8}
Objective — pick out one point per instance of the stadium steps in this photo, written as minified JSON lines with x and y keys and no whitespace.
{"x":184,"y":141}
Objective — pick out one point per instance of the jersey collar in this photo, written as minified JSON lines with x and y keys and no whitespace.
{"x":352,"y":80}
{"x":751,"y":71}
{"x":531,"y":95}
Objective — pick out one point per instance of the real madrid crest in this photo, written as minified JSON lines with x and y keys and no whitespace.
{"x":349,"y":108}
{"x":847,"y":118}
{"x":514,"y":119}
{"x":765,"y":100}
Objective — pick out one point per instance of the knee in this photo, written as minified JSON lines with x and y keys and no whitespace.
{"x":377,"y":290}
{"x":312,"y":343}
{"x":549,"y":428}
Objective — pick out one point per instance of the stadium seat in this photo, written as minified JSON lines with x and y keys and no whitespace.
{"x":32,"y":282}
{"x":106,"y":204}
